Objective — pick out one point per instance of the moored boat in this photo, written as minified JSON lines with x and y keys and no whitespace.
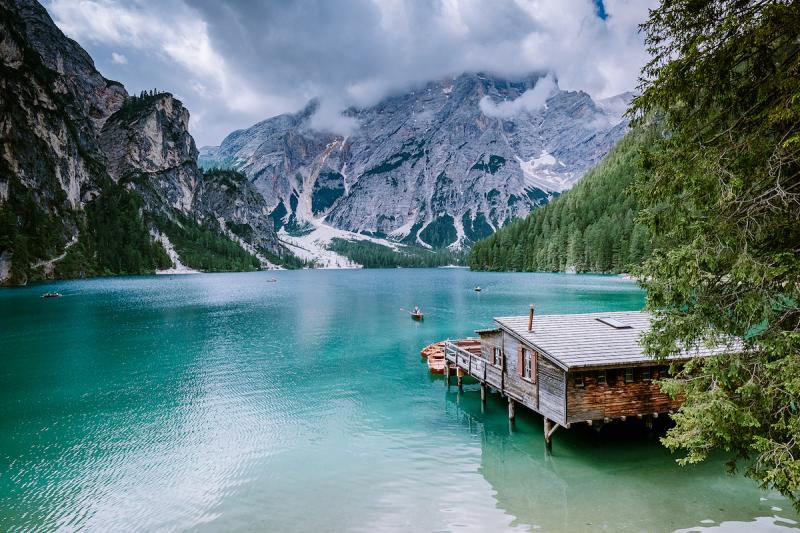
{"x":436,"y":362}
{"x":434,"y":354}
{"x":432,"y":348}
{"x":51,"y":295}
{"x":416,"y":316}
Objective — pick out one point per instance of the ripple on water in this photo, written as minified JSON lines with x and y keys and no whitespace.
{"x":222,"y":402}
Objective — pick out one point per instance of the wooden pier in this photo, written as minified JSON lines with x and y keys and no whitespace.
{"x":583,"y":368}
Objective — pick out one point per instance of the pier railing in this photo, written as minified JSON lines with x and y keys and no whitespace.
{"x":474,"y":365}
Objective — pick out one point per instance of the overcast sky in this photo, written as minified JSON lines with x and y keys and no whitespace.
{"x":234,"y":63}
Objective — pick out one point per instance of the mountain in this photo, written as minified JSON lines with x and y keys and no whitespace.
{"x":94,"y":181}
{"x":443,"y":165}
{"x":592,"y":227}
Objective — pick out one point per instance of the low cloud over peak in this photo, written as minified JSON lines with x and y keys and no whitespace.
{"x":531,"y":100}
{"x":238,"y":62}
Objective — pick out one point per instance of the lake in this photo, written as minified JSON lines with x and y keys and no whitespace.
{"x":225,"y":402}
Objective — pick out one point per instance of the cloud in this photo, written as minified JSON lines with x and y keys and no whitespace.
{"x":329,"y":118}
{"x":254,"y":59}
{"x":118,"y":59}
{"x":530,"y":101}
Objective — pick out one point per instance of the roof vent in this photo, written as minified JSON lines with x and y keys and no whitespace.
{"x":613,"y":322}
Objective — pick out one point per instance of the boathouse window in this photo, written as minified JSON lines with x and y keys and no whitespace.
{"x":579,"y":380}
{"x":601,"y":377}
{"x":527,"y":364}
{"x":495,"y":355}
{"x":628,"y":375}
{"x":646,"y":373}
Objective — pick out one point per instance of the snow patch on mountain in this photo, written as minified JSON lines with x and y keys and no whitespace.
{"x":177,"y":267}
{"x":313,"y":246}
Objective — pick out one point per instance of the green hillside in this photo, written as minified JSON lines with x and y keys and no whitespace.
{"x":590,"y":228}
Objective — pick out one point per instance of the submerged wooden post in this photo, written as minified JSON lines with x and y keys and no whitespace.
{"x":511,"y":409}
{"x":549,"y":428}
{"x":447,"y":373}
{"x":460,"y":381}
{"x":483,"y":392}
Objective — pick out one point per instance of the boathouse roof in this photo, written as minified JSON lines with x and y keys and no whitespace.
{"x":591,"y":340}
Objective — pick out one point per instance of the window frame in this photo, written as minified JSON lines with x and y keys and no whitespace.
{"x":601,"y":377}
{"x":530,"y":364}
{"x":578,"y":380}
{"x":629,"y":375}
{"x":497,"y":355}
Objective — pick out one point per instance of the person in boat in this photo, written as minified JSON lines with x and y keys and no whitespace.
{"x":416,"y":310}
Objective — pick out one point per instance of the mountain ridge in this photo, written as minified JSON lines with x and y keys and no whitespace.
{"x":445,"y":164}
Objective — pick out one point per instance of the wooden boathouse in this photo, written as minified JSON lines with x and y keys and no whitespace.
{"x":581,"y":368}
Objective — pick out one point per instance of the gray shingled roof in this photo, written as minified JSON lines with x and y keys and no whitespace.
{"x":581,"y":341}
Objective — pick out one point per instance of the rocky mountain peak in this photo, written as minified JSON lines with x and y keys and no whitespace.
{"x":443,"y":164}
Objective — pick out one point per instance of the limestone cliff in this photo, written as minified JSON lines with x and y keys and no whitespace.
{"x":87,"y":169}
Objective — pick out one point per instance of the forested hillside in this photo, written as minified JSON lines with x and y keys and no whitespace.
{"x":589,"y":228}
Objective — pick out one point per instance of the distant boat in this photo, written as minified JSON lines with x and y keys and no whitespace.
{"x":477,"y":289}
{"x":416,"y":316}
{"x":271,"y":280}
{"x":51,"y":295}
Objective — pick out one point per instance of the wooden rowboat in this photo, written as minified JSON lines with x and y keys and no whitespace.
{"x":434,"y":354}
{"x":436,"y":363}
{"x":416,"y":316}
{"x":432,"y":348}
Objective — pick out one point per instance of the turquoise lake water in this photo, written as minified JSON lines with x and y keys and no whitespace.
{"x":222,"y":402}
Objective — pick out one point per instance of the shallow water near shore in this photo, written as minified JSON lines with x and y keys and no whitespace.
{"x":225,"y":402}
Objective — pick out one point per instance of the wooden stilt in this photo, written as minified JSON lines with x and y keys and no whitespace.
{"x":483,"y":392}
{"x":447,"y":374}
{"x":549,"y":428}
{"x":511,"y":409}
{"x":460,"y":381}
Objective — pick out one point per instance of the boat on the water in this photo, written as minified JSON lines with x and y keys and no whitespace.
{"x":477,"y":289}
{"x":434,"y":355}
{"x":432,"y":348}
{"x":51,"y":295}
{"x":416,"y":316}
{"x":272,"y":280}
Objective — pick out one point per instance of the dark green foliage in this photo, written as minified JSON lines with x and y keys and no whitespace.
{"x":203,"y":247}
{"x":245,"y":231}
{"x":411,"y":152}
{"x":286,"y":259}
{"x":277,"y":215}
{"x":119,"y":236}
{"x":134,"y":105}
{"x":29,"y":232}
{"x":374,"y":255}
{"x":411,"y":238}
{"x":590,"y":228}
{"x":232,"y":179}
{"x":477,"y":229}
{"x":491,"y":166}
{"x":537,"y":195}
{"x":323,"y":197}
{"x":721,"y":194}
{"x":440,"y":232}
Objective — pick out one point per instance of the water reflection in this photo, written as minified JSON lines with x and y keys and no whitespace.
{"x":618,"y":479}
